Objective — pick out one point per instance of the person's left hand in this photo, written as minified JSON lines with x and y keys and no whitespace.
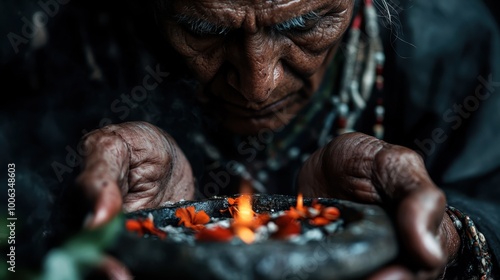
{"x":363,"y":169}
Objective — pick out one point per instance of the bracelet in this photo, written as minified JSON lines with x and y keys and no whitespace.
{"x":475,"y":257}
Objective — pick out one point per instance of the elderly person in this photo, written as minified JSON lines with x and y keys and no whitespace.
{"x":285,"y":85}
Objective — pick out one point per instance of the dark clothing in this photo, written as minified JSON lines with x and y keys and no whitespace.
{"x":442,"y":78}
{"x":443,"y":85}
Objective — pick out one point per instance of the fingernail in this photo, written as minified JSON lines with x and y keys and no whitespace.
{"x":100,"y":218}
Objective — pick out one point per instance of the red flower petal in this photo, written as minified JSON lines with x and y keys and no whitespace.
{"x":331,"y":213}
{"x":191,"y":219}
{"x":319,"y":221}
{"x":232,"y":201}
{"x":295,"y":213}
{"x":287,"y":226}
{"x":217,"y":234}
{"x":132,"y":225}
{"x":142,"y":227}
{"x":201,"y":218}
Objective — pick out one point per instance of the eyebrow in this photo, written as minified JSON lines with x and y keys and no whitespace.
{"x":201,"y":26}
{"x":297,"y":22}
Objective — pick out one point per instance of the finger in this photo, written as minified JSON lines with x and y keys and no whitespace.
{"x":345,"y":163}
{"x":402,"y":178}
{"x":311,"y":181}
{"x":103,"y":178}
{"x":392,"y":272}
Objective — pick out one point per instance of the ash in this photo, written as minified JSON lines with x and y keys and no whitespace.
{"x":309,"y":233}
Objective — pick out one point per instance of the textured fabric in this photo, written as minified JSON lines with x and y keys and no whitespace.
{"x":448,"y":55}
{"x":437,"y":68}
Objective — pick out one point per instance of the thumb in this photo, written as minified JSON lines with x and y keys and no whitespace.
{"x":419,"y":217}
{"x":103,"y":178}
{"x":401,"y":177}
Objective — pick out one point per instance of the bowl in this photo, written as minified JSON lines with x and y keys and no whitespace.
{"x":366,"y":242}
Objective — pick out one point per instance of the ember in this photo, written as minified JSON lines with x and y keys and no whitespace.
{"x":317,"y":214}
{"x":245,"y":225}
{"x":287,"y":233}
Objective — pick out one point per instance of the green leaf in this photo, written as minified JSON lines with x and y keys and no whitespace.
{"x":81,"y":253}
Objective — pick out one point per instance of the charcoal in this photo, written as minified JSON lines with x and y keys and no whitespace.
{"x":350,"y":248}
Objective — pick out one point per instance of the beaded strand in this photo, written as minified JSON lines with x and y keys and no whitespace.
{"x":475,"y":256}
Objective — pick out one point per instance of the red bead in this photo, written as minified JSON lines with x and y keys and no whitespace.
{"x":342,"y":122}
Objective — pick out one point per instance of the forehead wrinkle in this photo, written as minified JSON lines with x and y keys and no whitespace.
{"x":213,"y":12}
{"x":250,"y":14}
{"x":273,"y":12}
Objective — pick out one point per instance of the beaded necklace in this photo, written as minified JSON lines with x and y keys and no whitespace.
{"x":358,"y":69}
{"x":363,"y":68}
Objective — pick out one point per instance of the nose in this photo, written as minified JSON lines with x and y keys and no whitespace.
{"x":255,"y":66}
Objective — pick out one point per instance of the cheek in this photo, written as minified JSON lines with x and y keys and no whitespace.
{"x":307,"y":59}
{"x":308,"y":52}
{"x":204,"y":57}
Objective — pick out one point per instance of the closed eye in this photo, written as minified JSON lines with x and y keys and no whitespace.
{"x":301,"y":23}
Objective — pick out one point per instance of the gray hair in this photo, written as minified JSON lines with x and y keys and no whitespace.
{"x":389,"y":11}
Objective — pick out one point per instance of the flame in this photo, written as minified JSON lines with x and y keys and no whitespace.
{"x":243,"y":220}
{"x":317,"y":214}
{"x":300,"y":202}
{"x":245,"y":213}
{"x":245,"y":234}
{"x":246,"y":222}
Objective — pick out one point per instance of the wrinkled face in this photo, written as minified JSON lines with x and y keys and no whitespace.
{"x":259,"y":61}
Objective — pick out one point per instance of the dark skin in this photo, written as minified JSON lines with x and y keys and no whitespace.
{"x":253,"y":69}
{"x":367,"y":170}
{"x":132,"y":166}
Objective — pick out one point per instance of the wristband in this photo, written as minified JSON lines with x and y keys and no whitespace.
{"x":475,"y":257}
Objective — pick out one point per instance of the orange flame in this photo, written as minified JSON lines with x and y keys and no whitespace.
{"x":246,"y":221}
{"x":243,"y":219}
{"x":317,"y":214}
{"x":300,"y":202}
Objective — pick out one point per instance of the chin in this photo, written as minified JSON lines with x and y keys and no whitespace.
{"x":254,"y":126}
{"x":273,"y":121}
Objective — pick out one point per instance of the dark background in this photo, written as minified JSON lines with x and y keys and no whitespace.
{"x":72,"y":74}
{"x":62,"y":81}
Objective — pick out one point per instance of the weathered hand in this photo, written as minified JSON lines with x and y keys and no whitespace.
{"x":364,"y":169}
{"x":132,"y":166}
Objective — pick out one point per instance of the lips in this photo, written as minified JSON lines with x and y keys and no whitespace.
{"x":241,"y":111}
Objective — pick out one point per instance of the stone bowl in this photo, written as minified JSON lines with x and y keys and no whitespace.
{"x":367,"y":242}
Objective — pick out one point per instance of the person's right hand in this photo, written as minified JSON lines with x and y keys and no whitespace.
{"x":132,"y":166}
